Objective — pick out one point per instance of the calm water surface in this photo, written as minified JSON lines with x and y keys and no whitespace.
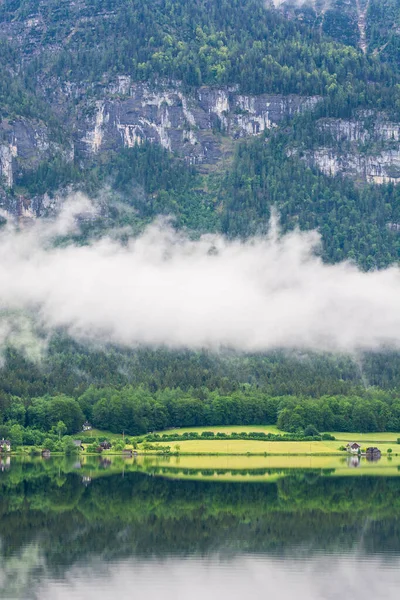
{"x":100,"y":530}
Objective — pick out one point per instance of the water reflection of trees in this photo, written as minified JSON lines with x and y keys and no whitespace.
{"x":161,"y":516}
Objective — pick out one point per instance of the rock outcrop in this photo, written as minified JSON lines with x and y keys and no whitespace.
{"x":188,"y":124}
{"x":24,"y":144}
{"x":195,"y":126}
{"x":124,"y":114}
{"x":366,"y":148}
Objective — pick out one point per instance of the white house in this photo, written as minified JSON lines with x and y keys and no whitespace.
{"x":5,"y":445}
{"x":353,"y":447}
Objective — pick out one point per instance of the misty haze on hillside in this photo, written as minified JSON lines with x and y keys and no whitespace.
{"x":164,"y":289}
{"x":318,"y":4}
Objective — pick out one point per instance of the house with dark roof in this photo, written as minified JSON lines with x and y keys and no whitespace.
{"x":353,"y":447}
{"x":5,"y":445}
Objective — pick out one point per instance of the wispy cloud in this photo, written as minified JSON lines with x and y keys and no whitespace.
{"x":165,"y":289}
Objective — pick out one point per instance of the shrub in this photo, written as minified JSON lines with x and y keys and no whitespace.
{"x":48,"y":444}
{"x":119,"y":445}
{"x":69,"y":446}
{"x":311,"y":431}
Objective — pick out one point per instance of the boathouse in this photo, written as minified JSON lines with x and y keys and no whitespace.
{"x":373,"y":452}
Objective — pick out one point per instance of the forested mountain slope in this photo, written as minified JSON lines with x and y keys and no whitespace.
{"x":79,"y":89}
{"x":372,"y":25}
{"x":213,"y":112}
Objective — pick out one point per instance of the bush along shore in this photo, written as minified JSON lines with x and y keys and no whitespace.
{"x":145,"y":444}
{"x":308,"y":436}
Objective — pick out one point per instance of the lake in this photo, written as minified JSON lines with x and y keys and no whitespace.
{"x":176,"y":528}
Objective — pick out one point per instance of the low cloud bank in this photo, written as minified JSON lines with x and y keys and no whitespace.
{"x":164,"y":289}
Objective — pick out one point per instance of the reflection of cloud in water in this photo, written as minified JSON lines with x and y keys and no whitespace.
{"x":19,"y":571}
{"x":258,"y":577}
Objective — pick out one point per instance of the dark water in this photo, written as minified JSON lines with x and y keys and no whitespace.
{"x":99,"y":531}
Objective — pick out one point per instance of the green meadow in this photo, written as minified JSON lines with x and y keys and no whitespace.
{"x":385,"y":441}
{"x":215,"y":446}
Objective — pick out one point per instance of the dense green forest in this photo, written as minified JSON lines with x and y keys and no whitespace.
{"x":195,"y":41}
{"x":145,"y":390}
{"x":136,"y":411}
{"x":351,"y":219}
{"x":382,"y":29}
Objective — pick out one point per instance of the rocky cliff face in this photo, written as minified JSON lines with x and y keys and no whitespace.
{"x":125,"y":113}
{"x":24,"y":144}
{"x":195,"y":126}
{"x":188,"y":124}
{"x":366,"y":148}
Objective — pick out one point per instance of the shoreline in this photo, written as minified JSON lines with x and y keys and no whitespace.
{"x":179,"y":454}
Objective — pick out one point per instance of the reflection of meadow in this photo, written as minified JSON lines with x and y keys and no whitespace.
{"x":258,"y":468}
{"x":222,"y":467}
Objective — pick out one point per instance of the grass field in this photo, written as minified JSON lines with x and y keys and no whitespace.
{"x":243,"y":447}
{"x":251,"y":446}
{"x":215,"y":446}
{"x":224,"y":429}
{"x":86,"y":435}
{"x":339,"y":435}
{"x":362,"y":438}
{"x":256,"y":447}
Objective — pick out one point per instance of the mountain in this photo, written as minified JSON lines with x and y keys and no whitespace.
{"x":210,"y":111}
{"x":213,"y":112}
{"x":88,"y":89}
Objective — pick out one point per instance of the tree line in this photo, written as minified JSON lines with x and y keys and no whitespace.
{"x":137,"y":411}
